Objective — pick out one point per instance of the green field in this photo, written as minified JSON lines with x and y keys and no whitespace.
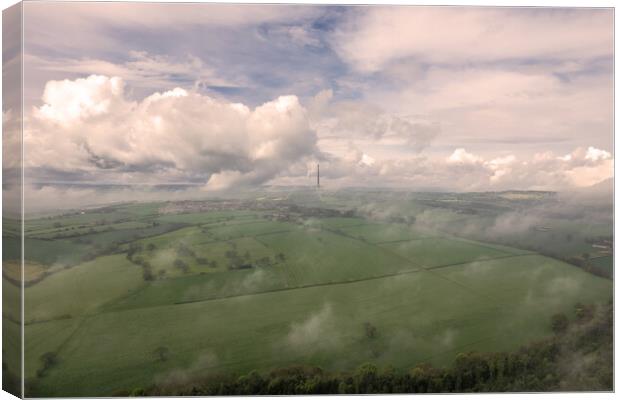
{"x":208,"y":217}
{"x":382,"y":233}
{"x":256,"y":294}
{"x":318,"y":256}
{"x":81,"y":289}
{"x":45,"y":251}
{"x":437,"y":252}
{"x":419,"y":316}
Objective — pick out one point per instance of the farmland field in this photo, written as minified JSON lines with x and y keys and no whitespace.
{"x":242,"y":289}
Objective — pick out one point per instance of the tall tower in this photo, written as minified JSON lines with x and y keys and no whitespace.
{"x":318,"y":176}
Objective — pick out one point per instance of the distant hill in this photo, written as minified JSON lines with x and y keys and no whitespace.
{"x":604,"y":187}
{"x":599,"y":193}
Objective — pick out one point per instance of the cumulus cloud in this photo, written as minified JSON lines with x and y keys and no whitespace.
{"x":542,"y":171}
{"x":594,"y":154}
{"x":68,"y":102}
{"x":366,"y":160}
{"x":461,"y":156}
{"x":463,"y":170}
{"x":89,"y":125}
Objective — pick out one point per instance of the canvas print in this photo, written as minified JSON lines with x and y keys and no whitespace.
{"x":232,"y":199}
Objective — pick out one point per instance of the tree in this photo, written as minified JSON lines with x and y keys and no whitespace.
{"x":180,"y":264}
{"x":586,"y":262}
{"x":365,"y":378}
{"x":265,"y":261}
{"x":151,"y":247}
{"x":252,"y":383}
{"x":133,"y":249}
{"x":584,"y":312}
{"x":48,"y":360}
{"x":559,"y":323}
{"x":137,"y":392}
{"x":370,"y":330}
{"x":184,"y":251}
{"x":147,"y":272}
{"x":161,"y":353}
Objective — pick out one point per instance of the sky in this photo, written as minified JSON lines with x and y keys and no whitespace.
{"x":234,"y":96}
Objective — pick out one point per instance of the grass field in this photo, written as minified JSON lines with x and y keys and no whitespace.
{"x":52,"y":233}
{"x":422,"y":316}
{"x":45,"y":251}
{"x":80,"y":289}
{"x":251,"y":228}
{"x":11,"y":345}
{"x":317,"y":256}
{"x":259,"y":293}
{"x":382,"y":233}
{"x":436,"y":252}
{"x":203,"y":218}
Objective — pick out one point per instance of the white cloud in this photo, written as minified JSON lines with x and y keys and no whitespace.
{"x":300,"y":35}
{"x":595,"y":154}
{"x":362,"y":121}
{"x":53,"y":23}
{"x":317,"y":332}
{"x":490,"y":108}
{"x":88,"y":125}
{"x":67,"y":102}
{"x":460,"y":35}
{"x":461,"y":156}
{"x":140,"y":70}
{"x":465,"y":171}
{"x":366,"y":160}
{"x":501,"y":166}
{"x":492,"y":77}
